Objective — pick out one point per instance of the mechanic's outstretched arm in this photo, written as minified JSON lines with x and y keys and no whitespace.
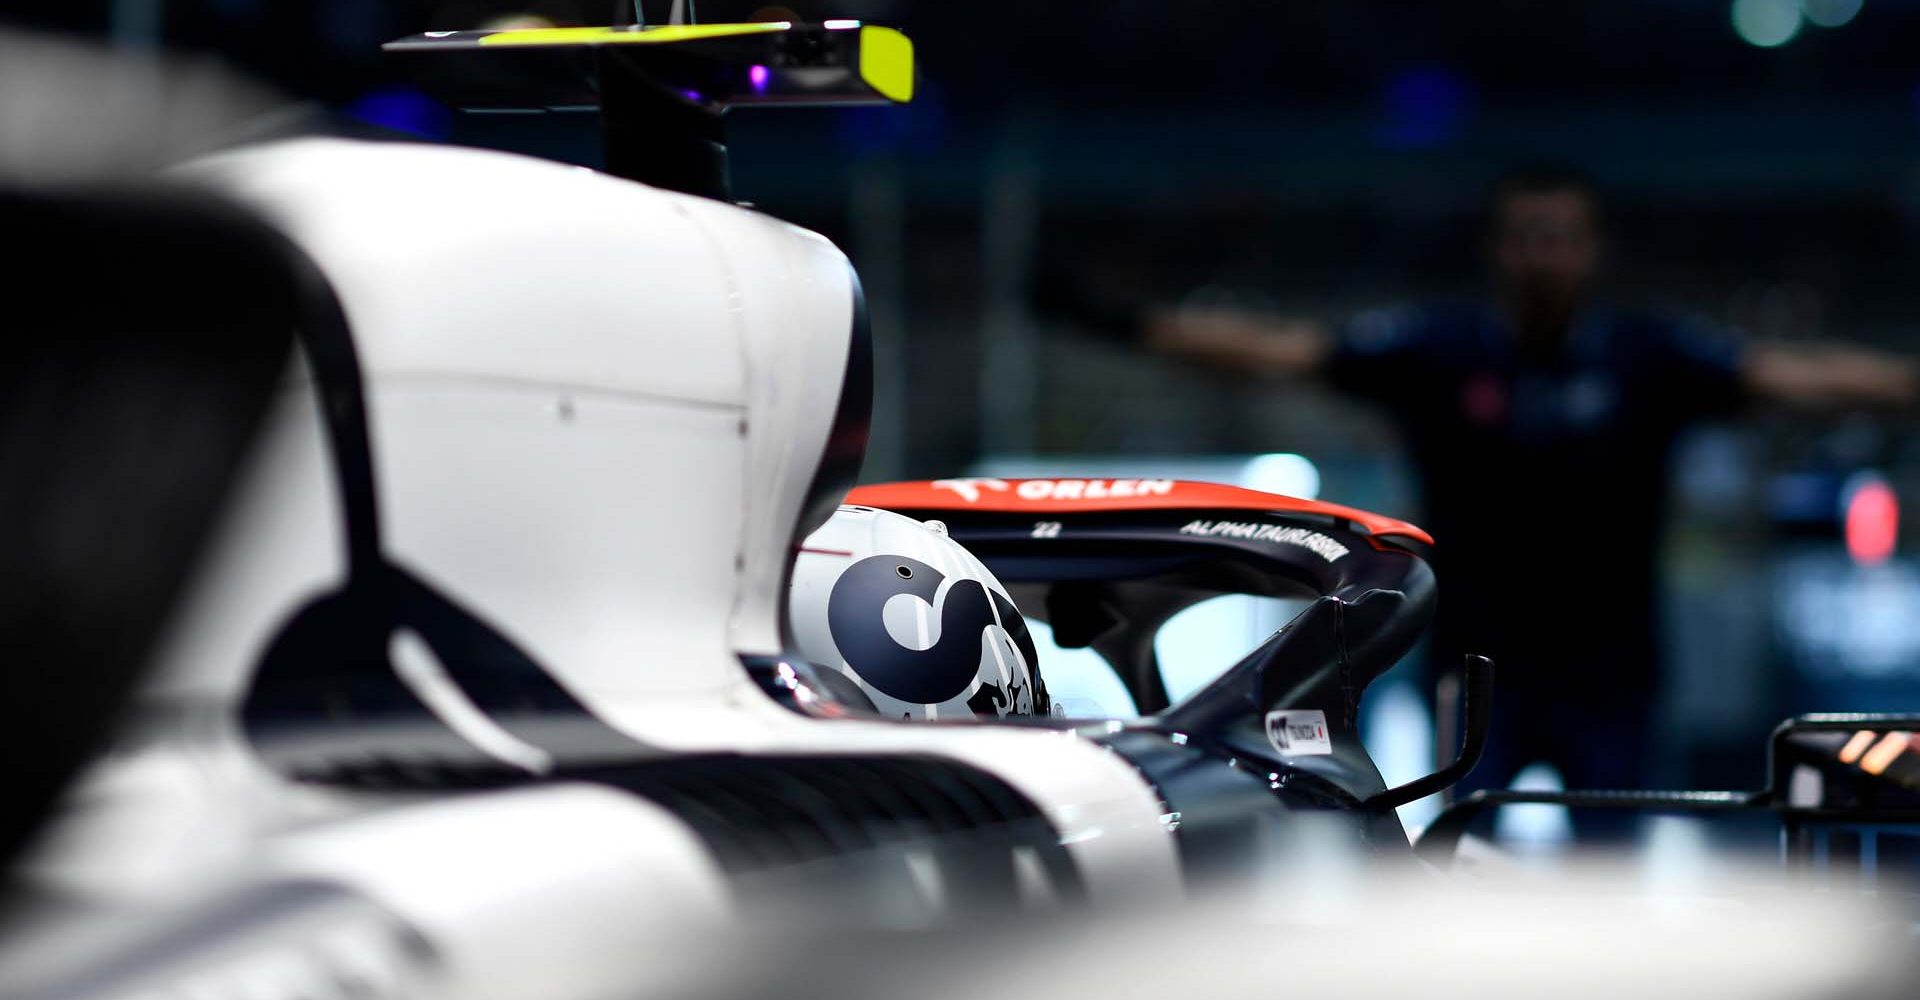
{"x":1239,"y":341}
{"x":1829,"y":374}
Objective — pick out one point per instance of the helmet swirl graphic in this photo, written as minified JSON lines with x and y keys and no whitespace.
{"x":910,"y":615}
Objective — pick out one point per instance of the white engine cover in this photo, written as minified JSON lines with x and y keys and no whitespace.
{"x":572,"y":381}
{"x":596,"y":413}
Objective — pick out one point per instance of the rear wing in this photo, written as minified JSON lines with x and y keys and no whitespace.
{"x":661,"y":91}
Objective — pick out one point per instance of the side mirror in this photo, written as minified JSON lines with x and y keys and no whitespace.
{"x":1860,"y":764}
{"x":1824,"y":771}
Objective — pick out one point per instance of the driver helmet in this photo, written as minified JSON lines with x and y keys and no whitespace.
{"x":923,"y":627}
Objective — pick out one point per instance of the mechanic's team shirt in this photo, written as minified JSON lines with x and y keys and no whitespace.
{"x":1544,"y":475}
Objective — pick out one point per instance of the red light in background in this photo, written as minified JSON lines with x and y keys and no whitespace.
{"x":1873,"y":522}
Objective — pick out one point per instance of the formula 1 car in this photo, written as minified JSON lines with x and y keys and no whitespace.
{"x":488,"y":599}
{"x":484,"y":685}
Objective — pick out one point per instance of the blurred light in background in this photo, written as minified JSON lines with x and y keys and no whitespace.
{"x":1766,"y":23}
{"x":1535,"y":830}
{"x":1872,"y":519}
{"x":1842,"y":620}
{"x":403,"y":109}
{"x":1397,"y":727}
{"x":1201,"y":642}
{"x":1830,"y":13}
{"x":1079,"y":681}
{"x":1284,"y":473}
{"x":136,"y":23}
{"x":1679,"y":856}
{"x":1424,"y":107}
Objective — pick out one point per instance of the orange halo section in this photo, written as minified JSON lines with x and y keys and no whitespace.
{"x":1067,"y":495}
{"x":1857,"y":746}
{"x":1885,"y":752}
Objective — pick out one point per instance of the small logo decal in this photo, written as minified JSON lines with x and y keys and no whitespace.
{"x":1092,"y":489}
{"x":969,"y":489}
{"x":1299,"y":732}
{"x":1277,"y":534}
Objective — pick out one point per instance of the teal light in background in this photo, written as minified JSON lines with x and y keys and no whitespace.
{"x":1284,"y":473}
{"x":1830,"y":13}
{"x":1766,"y":23}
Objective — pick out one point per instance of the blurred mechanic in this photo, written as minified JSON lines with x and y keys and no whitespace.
{"x":1540,"y":423}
